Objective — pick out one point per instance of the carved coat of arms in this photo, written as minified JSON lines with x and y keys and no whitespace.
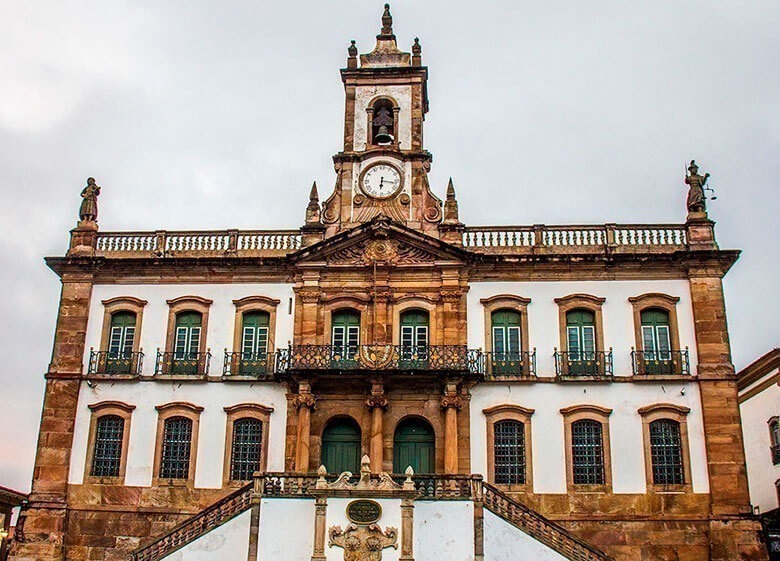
{"x":363,"y":543}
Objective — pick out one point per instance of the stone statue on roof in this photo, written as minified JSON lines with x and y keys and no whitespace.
{"x":89,"y":208}
{"x":696,"y":199}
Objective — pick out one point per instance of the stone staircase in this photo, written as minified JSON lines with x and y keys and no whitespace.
{"x":428,"y":487}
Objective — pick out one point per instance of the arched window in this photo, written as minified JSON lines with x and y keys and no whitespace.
{"x":774,"y":436}
{"x":414,"y":337}
{"x":345,"y":335}
{"x":587,"y":453}
{"x":341,"y":446}
{"x":176,"y":446}
{"x":414,"y":445}
{"x":382,"y":123}
{"x":245,"y":453}
{"x":107,"y":449}
{"x":187,"y":343}
{"x":509,"y":452}
{"x":254,"y":344}
{"x":666,"y":452}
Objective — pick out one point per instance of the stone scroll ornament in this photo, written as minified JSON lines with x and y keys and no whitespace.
{"x":363,"y":542}
{"x":89,"y":209}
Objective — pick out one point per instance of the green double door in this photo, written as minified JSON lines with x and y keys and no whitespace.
{"x":414,"y":446}
{"x":341,"y":447}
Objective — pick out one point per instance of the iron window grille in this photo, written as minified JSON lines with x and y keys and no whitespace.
{"x":107,"y":452}
{"x":666,"y":452}
{"x":587,"y":444}
{"x":509,"y":452}
{"x":246,"y":447}
{"x":177,"y":442}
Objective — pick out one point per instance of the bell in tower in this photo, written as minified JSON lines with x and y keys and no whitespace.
{"x":383,"y":123}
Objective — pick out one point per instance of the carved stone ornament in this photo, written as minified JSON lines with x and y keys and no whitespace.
{"x":304,"y":400}
{"x":363,"y":543}
{"x":387,"y":251}
{"x":380,"y":250}
{"x":374,"y":401}
{"x":451,"y":295}
{"x":451,"y":401}
{"x":309,"y":296}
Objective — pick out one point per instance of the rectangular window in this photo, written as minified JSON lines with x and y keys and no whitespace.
{"x":499,"y":342}
{"x":107,"y":451}
{"x":587,"y":453}
{"x":254,"y":342}
{"x":177,"y":442}
{"x":664,"y":347}
{"x":666,"y":452}
{"x":509,"y":452}
{"x":589,"y":342}
{"x":514,"y":340}
{"x":648,"y":342}
{"x":246,"y":447}
{"x":573,"y":335}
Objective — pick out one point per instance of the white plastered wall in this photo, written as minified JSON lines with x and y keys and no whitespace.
{"x":403,"y":97}
{"x":443,"y":530}
{"x":226,"y":542}
{"x":628,"y":469}
{"x":221,"y":323}
{"x":762,"y":473}
{"x":625,"y":427}
{"x":286,"y":530}
{"x":212,"y":396}
{"x":503,"y":541}
{"x":617,"y":311}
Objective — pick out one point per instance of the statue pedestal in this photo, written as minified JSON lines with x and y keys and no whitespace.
{"x":83,"y":239}
{"x":700,"y":231}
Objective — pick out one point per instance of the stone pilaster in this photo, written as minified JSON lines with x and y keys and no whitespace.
{"x":42,"y":524}
{"x":451,"y":403}
{"x":320,"y":510}
{"x":407,"y":530}
{"x":377,"y":403}
{"x":304,"y":402}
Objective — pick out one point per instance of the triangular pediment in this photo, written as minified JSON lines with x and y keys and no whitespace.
{"x":381,"y":241}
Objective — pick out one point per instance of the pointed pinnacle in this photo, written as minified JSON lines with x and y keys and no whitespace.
{"x":313,"y":195}
{"x":450,"y":191}
{"x":387,"y":21}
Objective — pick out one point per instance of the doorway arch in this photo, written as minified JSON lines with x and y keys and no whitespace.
{"x":414,"y":445}
{"x":341,"y":444}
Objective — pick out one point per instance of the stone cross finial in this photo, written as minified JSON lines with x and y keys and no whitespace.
{"x":352,"y":50}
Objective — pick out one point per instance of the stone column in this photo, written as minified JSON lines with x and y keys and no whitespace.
{"x":377,"y":403}
{"x":320,"y":509}
{"x":451,"y":403}
{"x":41,"y":529}
{"x":407,"y":530}
{"x":304,"y":402}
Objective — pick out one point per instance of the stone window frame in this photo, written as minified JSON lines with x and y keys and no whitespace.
{"x":601,"y":415}
{"x":164,"y":412}
{"x":233,"y":413}
{"x":255,"y":304}
{"x":102,"y":409}
{"x":581,"y":301}
{"x":774,"y":420}
{"x":189,"y":303}
{"x":657,"y":301}
{"x":338,"y":303}
{"x":122,"y":304}
{"x":510,"y":412}
{"x":370,"y":119}
{"x":414,"y":302}
{"x":679,"y":414}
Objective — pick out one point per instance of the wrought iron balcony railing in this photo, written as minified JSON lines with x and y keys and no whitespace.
{"x":247,"y":365}
{"x":510,"y":365}
{"x":379,"y":357}
{"x":172,"y":363}
{"x":654,"y":363}
{"x":583,"y":364}
{"x":115,"y":363}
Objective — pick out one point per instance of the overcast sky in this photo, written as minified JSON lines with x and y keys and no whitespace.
{"x":203,"y":115}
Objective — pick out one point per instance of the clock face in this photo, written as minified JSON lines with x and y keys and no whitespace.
{"x":381,"y":181}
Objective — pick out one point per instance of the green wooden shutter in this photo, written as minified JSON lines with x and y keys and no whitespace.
{"x":341,"y":446}
{"x":506,"y":334}
{"x":345,"y":335}
{"x":414,"y":335}
{"x":122,"y":335}
{"x":656,"y":349}
{"x":414,"y":445}
{"x":254,"y":342}
{"x":188,"y":328}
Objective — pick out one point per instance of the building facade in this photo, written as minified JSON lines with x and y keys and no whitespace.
{"x":759,"y":404}
{"x":583,"y":371}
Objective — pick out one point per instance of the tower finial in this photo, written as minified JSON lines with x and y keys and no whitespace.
{"x":313,"y":215}
{"x":451,"y":205}
{"x":387,"y":21}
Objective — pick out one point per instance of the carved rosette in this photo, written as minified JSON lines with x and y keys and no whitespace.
{"x":380,"y":250}
{"x":304,"y":400}
{"x":451,"y":295}
{"x":451,"y":402}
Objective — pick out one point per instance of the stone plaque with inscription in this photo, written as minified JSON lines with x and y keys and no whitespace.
{"x":364,"y":512}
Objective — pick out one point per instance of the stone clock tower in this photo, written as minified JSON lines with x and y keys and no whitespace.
{"x":383,"y":168}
